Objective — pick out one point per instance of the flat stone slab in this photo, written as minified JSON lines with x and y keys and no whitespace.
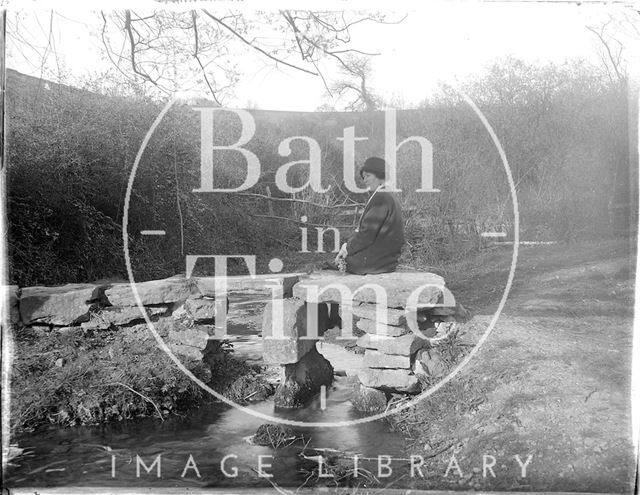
{"x":442,"y":311}
{"x":376,"y":359}
{"x":405,"y":345}
{"x":188,"y":342}
{"x":63,"y":305}
{"x":395,"y":317}
{"x":374,"y":328}
{"x":390,"y":380}
{"x":397,"y":286}
{"x":201,"y":310}
{"x":164,"y":291}
{"x":120,"y":316}
{"x":263,"y":282}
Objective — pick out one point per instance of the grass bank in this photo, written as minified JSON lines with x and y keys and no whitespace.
{"x":552,"y":381}
{"x":73,"y":377}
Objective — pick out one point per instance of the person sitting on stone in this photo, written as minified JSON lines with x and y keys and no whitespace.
{"x":377,"y":243}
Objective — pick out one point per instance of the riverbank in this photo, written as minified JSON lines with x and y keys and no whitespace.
{"x":551,"y":384}
{"x":71,"y":378}
{"x":83,"y":354}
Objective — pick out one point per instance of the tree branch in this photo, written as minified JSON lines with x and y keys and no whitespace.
{"x":293,"y":220}
{"x":197,"y":56}
{"x":108,"y":48}
{"x":132,"y":47}
{"x":615,"y":65}
{"x":257,"y":48}
{"x":289,"y":18}
{"x":141,"y":395}
{"x":294,"y":200}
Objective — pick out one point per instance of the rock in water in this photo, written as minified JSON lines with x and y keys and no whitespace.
{"x":302,"y":380}
{"x":249,"y":388}
{"x":369,"y":400}
{"x":273,"y":435}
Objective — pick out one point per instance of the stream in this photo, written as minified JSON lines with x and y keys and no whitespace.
{"x":105,"y":455}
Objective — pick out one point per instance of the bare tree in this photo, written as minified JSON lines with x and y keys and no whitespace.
{"x":356,"y":71}
{"x":613,"y":53}
{"x":199,"y":50}
{"x":166,"y":48}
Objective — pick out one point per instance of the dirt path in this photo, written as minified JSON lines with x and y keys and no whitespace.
{"x":552,"y":381}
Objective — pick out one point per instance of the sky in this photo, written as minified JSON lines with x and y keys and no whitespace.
{"x":442,"y":42}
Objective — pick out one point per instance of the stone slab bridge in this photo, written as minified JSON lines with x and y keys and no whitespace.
{"x":395,"y":317}
{"x":302,"y":308}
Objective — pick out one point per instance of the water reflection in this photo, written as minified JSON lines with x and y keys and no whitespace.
{"x":206,"y":448}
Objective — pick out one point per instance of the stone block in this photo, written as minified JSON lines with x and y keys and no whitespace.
{"x":429,"y":363}
{"x":405,"y":345}
{"x":164,"y":291}
{"x":236,"y":283}
{"x":121,"y":316}
{"x":442,"y":311}
{"x":64,"y":305}
{"x":402,"y":381}
{"x":376,"y":359}
{"x":187,"y":342}
{"x":202,"y":310}
{"x":365,"y":341}
{"x":295,"y":319}
{"x":285,"y":351}
{"x":372,"y":327}
{"x":395,"y":317}
{"x":397,"y":286}
{"x":286,"y":345}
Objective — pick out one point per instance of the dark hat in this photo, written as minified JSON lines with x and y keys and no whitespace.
{"x":375,"y":166}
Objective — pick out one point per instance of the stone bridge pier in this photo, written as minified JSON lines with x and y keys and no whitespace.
{"x":287,"y":341}
{"x":396,"y":317}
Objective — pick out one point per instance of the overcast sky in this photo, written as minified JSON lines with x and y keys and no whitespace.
{"x":438,"y":42}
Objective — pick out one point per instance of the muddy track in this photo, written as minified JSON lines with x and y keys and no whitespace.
{"x":552,"y":381}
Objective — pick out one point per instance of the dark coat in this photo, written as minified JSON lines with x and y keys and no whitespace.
{"x":376,"y":246}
